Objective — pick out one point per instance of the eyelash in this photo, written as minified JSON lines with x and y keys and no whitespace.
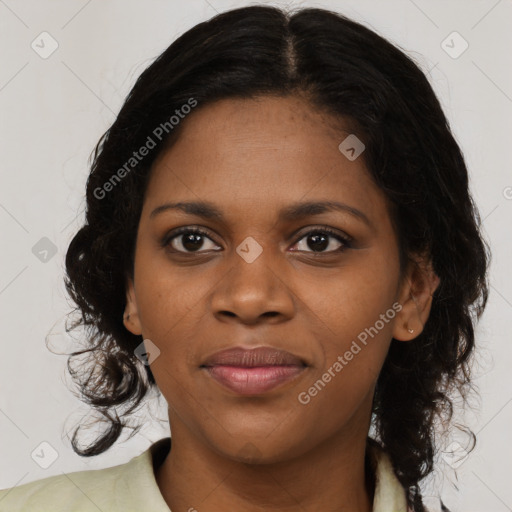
{"x":345,"y":240}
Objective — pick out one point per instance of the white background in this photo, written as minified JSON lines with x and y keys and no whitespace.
{"x":54,"y":110}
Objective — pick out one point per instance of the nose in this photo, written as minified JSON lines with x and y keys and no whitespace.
{"x":254,"y":292}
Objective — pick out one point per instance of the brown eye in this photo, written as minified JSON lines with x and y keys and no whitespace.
{"x":318,"y":240}
{"x":189,"y":240}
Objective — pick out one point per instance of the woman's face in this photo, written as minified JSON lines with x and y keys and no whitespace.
{"x":260,"y":277}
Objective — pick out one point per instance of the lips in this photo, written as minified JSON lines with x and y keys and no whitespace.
{"x":253,"y":371}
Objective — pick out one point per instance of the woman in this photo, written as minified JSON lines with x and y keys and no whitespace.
{"x":280,"y":238}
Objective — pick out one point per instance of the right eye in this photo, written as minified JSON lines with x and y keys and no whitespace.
{"x":187,"y":240}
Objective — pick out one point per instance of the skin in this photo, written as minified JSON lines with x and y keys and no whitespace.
{"x":251,"y":158}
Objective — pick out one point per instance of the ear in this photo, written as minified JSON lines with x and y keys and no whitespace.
{"x":415,"y":296}
{"x":131,"y":318}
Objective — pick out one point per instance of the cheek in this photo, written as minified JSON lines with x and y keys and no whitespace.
{"x":355,"y":341}
{"x":351,"y":315}
{"x":347,"y":300}
{"x":168,"y":298}
{"x":169,"y":308}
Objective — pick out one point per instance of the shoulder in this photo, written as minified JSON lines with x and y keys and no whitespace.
{"x":389,"y":492}
{"x":126,"y":487}
{"x":78,"y":491}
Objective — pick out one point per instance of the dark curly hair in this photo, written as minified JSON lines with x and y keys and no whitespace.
{"x":353,"y":74}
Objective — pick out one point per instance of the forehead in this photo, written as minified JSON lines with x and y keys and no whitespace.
{"x":260,"y":151}
{"x":273,"y":122}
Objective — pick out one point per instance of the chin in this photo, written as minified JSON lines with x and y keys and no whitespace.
{"x":259,"y":449}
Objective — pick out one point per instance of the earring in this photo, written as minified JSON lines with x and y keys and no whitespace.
{"x":410,"y":330}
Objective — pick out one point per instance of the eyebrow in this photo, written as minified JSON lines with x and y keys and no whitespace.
{"x":294,"y":211}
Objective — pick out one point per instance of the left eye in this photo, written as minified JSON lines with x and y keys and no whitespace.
{"x":319,"y":240}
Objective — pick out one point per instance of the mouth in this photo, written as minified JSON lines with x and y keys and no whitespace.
{"x":253,"y":371}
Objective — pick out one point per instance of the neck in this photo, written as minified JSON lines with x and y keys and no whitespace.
{"x":330,"y":476}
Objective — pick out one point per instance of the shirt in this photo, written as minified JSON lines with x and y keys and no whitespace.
{"x":132,"y":487}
